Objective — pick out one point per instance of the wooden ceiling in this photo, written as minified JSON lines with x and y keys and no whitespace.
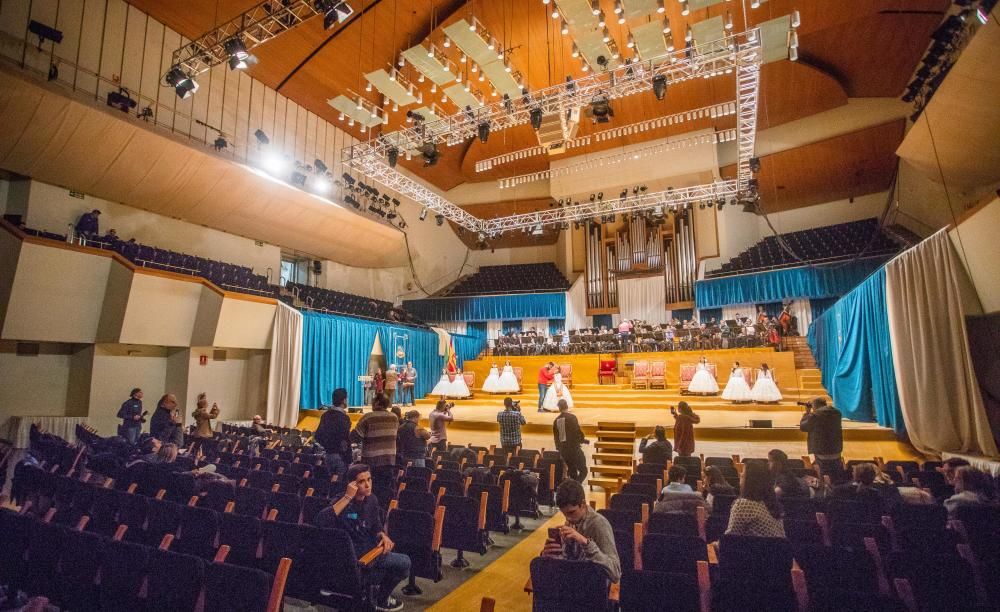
{"x":861,"y":48}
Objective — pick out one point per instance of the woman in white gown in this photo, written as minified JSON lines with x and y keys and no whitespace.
{"x":557,"y":391}
{"x":443,"y":386}
{"x":703,"y":382}
{"x":458,"y":387}
{"x":737,"y":390}
{"x":508,"y":381}
{"x":492,"y":380}
{"x":765,"y":390}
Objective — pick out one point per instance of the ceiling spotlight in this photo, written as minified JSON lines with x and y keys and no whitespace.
{"x":659,"y":86}
{"x":729,"y":20}
{"x":462,"y":58}
{"x":754,"y":4}
{"x":181,"y":82}
{"x":235,"y":63}
{"x":621,"y":19}
{"x":333,"y":12}
{"x":793,"y":54}
{"x":393,"y":156}
{"x":439,"y":219}
{"x":555,"y":12}
{"x":605,"y":35}
{"x":320,"y":166}
{"x":564,"y":27}
{"x":685,"y":9}
{"x":576,"y":51}
{"x":630,"y":41}
{"x":618,"y":7}
{"x":423,"y":214}
{"x":595,"y":7}
{"x":659,"y":7}
{"x":492,"y":44}
{"x":688,"y":34}
{"x":483,"y":131}
{"x":601,"y":21}
{"x":430,"y":153}
{"x":600,"y":109}
{"x":321,"y":185}
{"x":261,"y":137}
{"x":447,"y":42}
{"x":536,"y":118}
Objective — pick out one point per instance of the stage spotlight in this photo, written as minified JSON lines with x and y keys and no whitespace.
{"x":262,"y":138}
{"x":181,"y":82}
{"x":220,"y":143}
{"x":121,"y":100}
{"x":600,"y":109}
{"x":237,"y":52}
{"x":348,"y":179}
{"x":439,"y":219}
{"x":333,"y":12}
{"x":276,"y":165}
{"x":570,"y":85}
{"x":320,"y":166}
{"x":44,"y":33}
{"x":483,"y":131}
{"x":321,"y":185}
{"x":423,"y":214}
{"x":536,"y":118}
{"x":298,"y":179}
{"x":660,"y":86}
{"x":393,"y":156}
{"x":430,"y":153}
{"x":146,"y":113}
{"x":755,"y":164}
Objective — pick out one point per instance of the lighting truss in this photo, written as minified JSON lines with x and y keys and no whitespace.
{"x":256,"y":25}
{"x":739,"y":53}
{"x":672,"y":199}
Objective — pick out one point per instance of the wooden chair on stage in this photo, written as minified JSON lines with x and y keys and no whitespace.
{"x":566,"y":369}
{"x":607,"y":369}
{"x":640,"y":375}
{"x":658,"y":374}
{"x":687,"y":373}
{"x":470,"y":382}
{"x":519,"y":374}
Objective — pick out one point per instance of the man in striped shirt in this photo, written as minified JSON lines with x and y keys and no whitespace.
{"x":510,"y":420}
{"x":376,"y":433}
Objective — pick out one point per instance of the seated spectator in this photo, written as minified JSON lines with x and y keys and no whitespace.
{"x":756,"y":512}
{"x":659,"y":450}
{"x":972,"y":488}
{"x":678,"y":496}
{"x":861,"y":488}
{"x":258,"y":425}
{"x":167,"y":453}
{"x":786,"y":484}
{"x":111,"y":236}
{"x":950,"y":466}
{"x":358,"y":513}
{"x":149,"y":451}
{"x":586,"y":536}
{"x":87,"y":226}
{"x":716,"y":484}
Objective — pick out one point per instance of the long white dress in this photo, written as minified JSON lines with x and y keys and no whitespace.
{"x":458,"y":387}
{"x":507,"y":382}
{"x":557,"y":391}
{"x":764,"y":390}
{"x":703,"y":381}
{"x":737,"y":389}
{"x":492,"y":380}
{"x":443,"y":386}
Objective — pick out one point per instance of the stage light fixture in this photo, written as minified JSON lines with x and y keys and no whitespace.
{"x":220,"y":143}
{"x":659,"y":7}
{"x":660,"y":86}
{"x":298,"y":179}
{"x":564,"y":28}
{"x":44,"y":33}
{"x":321,"y":185}
{"x":393,"y":156}
{"x":600,"y":109}
{"x":320,"y":167}
{"x":483,"y":131}
{"x":237,"y":52}
{"x":423,"y":214}
{"x":576,"y":51}
{"x":755,"y":164}
{"x":121,"y":100}
{"x":439,"y":219}
{"x":183,"y":85}
{"x":430,"y":153}
{"x":261,"y":137}
{"x":333,"y":12}
{"x":536,"y":118}
{"x":601,"y":21}
{"x":685,"y":9}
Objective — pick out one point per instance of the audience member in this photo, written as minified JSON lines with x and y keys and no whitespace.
{"x":950,"y":466}
{"x":659,"y":451}
{"x":438,"y":421}
{"x":334,"y":434}
{"x":148,"y":452}
{"x":391,"y":378}
{"x":568,"y":437}
{"x":165,"y":424}
{"x":786,"y":484}
{"x":411,"y":440}
{"x":716,"y":484}
{"x":756,"y":512}
{"x":825,"y":436}
{"x":398,"y":412}
{"x":131,"y":415}
{"x":684,"y":421}
{"x":678,"y":496}
{"x":358,"y":513}
{"x":376,"y":433}
{"x":257,"y":427}
{"x":972,"y":488}
{"x":586,"y":536}
{"x":87,"y":226}
{"x":203,"y":417}
{"x":167,"y":453}
{"x":511,"y":420}
{"x":861,"y":487}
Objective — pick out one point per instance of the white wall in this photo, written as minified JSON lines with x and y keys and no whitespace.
{"x":34,"y":385}
{"x":52,"y":208}
{"x":116,"y":370}
{"x":975,"y":239}
{"x":238,"y":384}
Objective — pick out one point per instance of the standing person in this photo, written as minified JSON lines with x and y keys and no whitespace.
{"x":376,"y":433}
{"x":586,"y":536}
{"x":391,"y":379}
{"x":409,"y":382}
{"x":87,"y":226}
{"x":438,"y":421}
{"x":511,"y":420}
{"x":358,"y":513}
{"x":131,"y":415}
{"x":203,"y":417}
{"x":568,"y":438}
{"x":756,"y":512}
{"x":545,"y":378}
{"x":334,"y":434}
{"x":411,"y":440}
{"x":684,"y":421}
{"x":823,"y":426}
{"x":659,"y":451}
{"x":557,"y":391}
{"x":165,"y":424}
{"x":378,"y":383}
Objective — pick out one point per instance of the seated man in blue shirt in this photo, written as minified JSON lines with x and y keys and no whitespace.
{"x":359,"y":514}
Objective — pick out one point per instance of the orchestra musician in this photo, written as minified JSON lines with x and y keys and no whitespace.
{"x":785,"y":319}
{"x":761,"y":316}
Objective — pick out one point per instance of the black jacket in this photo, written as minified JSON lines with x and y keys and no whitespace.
{"x":333,"y":433}
{"x":408,"y":444}
{"x":656,"y":452}
{"x":130,"y":408}
{"x":161,"y":426}
{"x":824,"y":430}
{"x":566,"y":430}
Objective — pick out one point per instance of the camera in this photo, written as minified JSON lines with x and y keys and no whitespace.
{"x":806,"y":405}
{"x":516,"y":405}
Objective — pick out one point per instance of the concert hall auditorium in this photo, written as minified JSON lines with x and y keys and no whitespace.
{"x":500,"y":305}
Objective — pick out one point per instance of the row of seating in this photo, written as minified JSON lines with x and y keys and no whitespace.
{"x":517,"y":278}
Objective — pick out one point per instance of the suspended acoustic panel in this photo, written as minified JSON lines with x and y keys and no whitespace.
{"x":350,"y":108}
{"x":578,"y":14}
{"x":460,"y":97}
{"x":390,"y":88}
{"x":649,"y":40}
{"x":774,"y":38}
{"x":430,"y":67}
{"x":476,"y":49}
{"x":639,"y":8}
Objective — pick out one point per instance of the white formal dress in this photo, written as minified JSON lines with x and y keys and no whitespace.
{"x":557,"y":391}
{"x":443,"y":386}
{"x":458,"y":387}
{"x":703,"y":381}
{"x":492,"y":381}
{"x":764,"y":390}
{"x":508,"y":381}
{"x":737,"y":389}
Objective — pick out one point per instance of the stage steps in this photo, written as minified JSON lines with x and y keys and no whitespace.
{"x":804,"y":358}
{"x":613,"y":457}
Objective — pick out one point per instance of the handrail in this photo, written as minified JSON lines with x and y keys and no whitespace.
{"x":810,"y":263}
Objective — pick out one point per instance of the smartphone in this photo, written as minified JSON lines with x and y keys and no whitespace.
{"x":554,"y":534}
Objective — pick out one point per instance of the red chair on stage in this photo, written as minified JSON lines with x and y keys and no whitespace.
{"x":687,"y":373}
{"x":608,"y":369}
{"x":566,"y":370}
{"x":470,"y":381}
{"x":658,"y":374}
{"x":640,"y":375}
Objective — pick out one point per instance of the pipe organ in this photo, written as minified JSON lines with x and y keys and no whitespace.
{"x":640,"y":246}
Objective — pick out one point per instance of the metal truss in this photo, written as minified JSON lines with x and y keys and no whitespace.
{"x":747,"y":90}
{"x":256,"y":25}
{"x":663,"y":200}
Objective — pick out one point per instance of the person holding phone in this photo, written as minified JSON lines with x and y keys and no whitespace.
{"x":586,"y":536}
{"x":203,"y":417}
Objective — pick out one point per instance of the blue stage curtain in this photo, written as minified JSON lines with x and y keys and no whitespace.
{"x":764,"y":287}
{"x":603,"y":319}
{"x":489,"y":307}
{"x":820,"y":305}
{"x":467,"y":347}
{"x":707,"y":314}
{"x":476,"y":328}
{"x":852,"y":348}
{"x":335,"y":351}
{"x":511,"y":326}
{"x":772,"y":309}
{"x":684,"y":314}
{"x":555,"y":325}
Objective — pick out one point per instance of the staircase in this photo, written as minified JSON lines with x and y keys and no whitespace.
{"x":809,"y":377}
{"x":613,"y":455}
{"x":803,"y":354}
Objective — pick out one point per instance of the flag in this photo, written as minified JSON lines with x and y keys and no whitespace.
{"x":451,"y":361}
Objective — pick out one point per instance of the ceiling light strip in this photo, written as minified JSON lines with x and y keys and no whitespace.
{"x":618,"y":158}
{"x":714,"y":111}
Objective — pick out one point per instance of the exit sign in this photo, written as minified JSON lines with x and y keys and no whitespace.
{"x":76,"y":194}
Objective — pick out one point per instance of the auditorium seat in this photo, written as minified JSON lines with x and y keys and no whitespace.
{"x":518,"y":278}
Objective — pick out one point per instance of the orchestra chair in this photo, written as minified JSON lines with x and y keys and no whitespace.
{"x":470,"y":381}
{"x":519,"y":374}
{"x":640,"y":375}
{"x":687,"y":373}
{"x":566,"y":369}
{"x":607,"y":369}
{"x":658,"y":374}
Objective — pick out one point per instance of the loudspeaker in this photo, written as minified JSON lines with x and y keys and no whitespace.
{"x":764,"y":423}
{"x":317,"y":266}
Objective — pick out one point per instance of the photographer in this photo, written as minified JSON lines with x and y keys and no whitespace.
{"x":568,"y":438}
{"x":658,"y":450}
{"x":511,"y":420}
{"x":586,"y":536}
{"x":822,"y":424}
{"x":438,"y":420}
